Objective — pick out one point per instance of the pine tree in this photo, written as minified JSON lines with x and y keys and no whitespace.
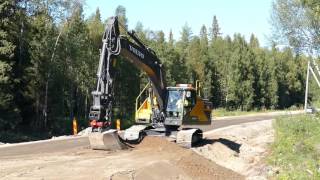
{"x":186,"y":34}
{"x":204,"y":60}
{"x":96,"y":28}
{"x":171,"y":41}
{"x":193,"y":61}
{"x":182,"y":48}
{"x":9,"y":111}
{"x":204,"y":40}
{"x":121,"y":13}
{"x":241,"y":83}
{"x":215,"y":29}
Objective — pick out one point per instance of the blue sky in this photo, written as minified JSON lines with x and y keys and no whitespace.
{"x":234,"y":16}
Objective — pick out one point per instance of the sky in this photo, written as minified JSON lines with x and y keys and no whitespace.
{"x":234,"y":16}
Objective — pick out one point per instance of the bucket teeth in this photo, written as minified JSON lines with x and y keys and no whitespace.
{"x":108,"y":140}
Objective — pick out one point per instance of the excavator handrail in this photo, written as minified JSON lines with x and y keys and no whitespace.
{"x":138,"y":97}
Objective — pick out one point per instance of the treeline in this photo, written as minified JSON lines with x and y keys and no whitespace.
{"x":48,"y":59}
{"x":236,"y":74}
{"x":49,"y":54}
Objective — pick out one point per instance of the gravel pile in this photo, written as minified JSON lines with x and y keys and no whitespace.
{"x":194,"y":165}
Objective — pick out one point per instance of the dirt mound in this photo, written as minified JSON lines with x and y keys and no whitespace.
{"x":241,"y":148}
{"x":155,"y":158}
{"x":194,"y":165}
{"x":159,"y":144}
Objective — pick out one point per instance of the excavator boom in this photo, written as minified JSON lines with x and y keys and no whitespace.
{"x":143,"y":58}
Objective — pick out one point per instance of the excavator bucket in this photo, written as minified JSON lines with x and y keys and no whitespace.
{"x":108,"y":140}
{"x":189,"y":137}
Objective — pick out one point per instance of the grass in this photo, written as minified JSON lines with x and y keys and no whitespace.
{"x":296,"y":150}
{"x":220,"y":112}
{"x":223,"y":112}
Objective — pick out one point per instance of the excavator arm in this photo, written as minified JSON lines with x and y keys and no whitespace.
{"x":134,"y":51}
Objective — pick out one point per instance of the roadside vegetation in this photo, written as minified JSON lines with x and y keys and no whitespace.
{"x":220,"y":112}
{"x":295,"y":153}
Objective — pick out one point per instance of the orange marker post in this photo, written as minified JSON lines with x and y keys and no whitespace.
{"x":118,"y":124}
{"x":75,"y":126}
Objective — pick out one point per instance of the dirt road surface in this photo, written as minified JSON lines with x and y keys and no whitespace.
{"x":154,"y":158}
{"x":49,"y":146}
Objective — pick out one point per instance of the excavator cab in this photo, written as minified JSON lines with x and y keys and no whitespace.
{"x":185,"y":107}
{"x":180,"y":100}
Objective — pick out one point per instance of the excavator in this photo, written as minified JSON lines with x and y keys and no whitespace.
{"x":173,"y":112}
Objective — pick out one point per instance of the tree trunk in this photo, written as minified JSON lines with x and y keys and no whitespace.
{"x":45,"y":109}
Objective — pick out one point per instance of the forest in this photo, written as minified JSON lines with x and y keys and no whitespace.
{"x":50,"y":51}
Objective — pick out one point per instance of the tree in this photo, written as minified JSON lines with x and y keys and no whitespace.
{"x":219,"y":61}
{"x":215,"y":29}
{"x":186,"y":34}
{"x":171,"y":41}
{"x":314,"y":5}
{"x":241,"y":90}
{"x":204,"y":60}
{"x":265,"y":86}
{"x":121,"y":13}
{"x":43,"y":36}
{"x":204,"y":40}
{"x":9,"y":112}
{"x":296,"y":23}
{"x":96,"y":28}
{"x":182,"y":48}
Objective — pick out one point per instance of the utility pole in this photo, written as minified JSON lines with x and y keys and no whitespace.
{"x":307,"y":88}
{"x":316,"y":74}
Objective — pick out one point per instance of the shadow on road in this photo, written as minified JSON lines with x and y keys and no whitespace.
{"x":230,"y":144}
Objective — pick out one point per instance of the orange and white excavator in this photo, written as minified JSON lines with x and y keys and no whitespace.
{"x":166,"y":111}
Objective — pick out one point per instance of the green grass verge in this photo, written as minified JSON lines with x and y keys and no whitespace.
{"x":296,"y":150}
{"x":220,"y":112}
